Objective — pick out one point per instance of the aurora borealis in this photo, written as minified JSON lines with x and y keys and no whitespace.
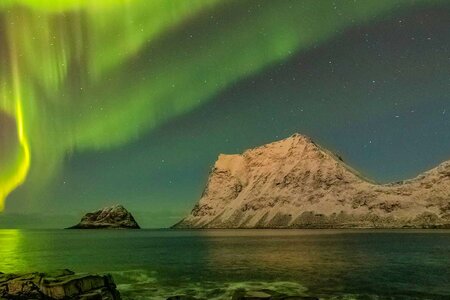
{"x":131,"y":101}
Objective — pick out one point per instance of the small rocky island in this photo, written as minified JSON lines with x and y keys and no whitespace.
{"x":61,"y":284}
{"x":113,"y":217}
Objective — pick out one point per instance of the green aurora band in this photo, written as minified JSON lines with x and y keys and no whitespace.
{"x":81,"y":75}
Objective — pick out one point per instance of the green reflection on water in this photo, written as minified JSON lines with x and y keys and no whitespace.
{"x":11,"y":241}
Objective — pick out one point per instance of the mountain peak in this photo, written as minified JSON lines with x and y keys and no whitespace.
{"x":300,"y":137}
{"x":296,"y":183}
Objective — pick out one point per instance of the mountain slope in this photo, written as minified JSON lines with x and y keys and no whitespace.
{"x":294,"y":183}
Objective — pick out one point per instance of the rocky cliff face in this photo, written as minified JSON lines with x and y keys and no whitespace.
{"x":109,"y":217}
{"x":294,"y":183}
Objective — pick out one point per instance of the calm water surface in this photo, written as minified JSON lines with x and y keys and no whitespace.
{"x":154,"y":264}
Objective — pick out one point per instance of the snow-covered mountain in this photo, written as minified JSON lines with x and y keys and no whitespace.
{"x":294,"y":183}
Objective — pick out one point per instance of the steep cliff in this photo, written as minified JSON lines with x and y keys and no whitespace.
{"x":294,"y":183}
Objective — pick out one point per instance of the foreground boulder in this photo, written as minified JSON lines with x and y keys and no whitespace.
{"x":295,"y":183}
{"x":63,"y":284}
{"x":108,"y":218}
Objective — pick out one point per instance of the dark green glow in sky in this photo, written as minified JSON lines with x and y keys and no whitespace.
{"x":134,"y":109}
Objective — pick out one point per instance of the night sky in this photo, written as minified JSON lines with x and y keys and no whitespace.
{"x":132,"y":101}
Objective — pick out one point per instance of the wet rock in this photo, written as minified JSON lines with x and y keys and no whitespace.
{"x":298,"y":298}
{"x":60,"y":284}
{"x":266,"y":294}
{"x":108,"y":218}
{"x":251,"y":295}
{"x":182,"y":297}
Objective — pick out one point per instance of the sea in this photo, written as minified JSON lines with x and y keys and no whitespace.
{"x":212,"y":264}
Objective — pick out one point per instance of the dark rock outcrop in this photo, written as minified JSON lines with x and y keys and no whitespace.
{"x":62,"y":284}
{"x":295,"y":183}
{"x":108,"y":218}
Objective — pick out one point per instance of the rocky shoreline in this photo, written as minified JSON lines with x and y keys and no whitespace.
{"x":65,"y":284}
{"x":60,"y":284}
{"x":242,"y":294}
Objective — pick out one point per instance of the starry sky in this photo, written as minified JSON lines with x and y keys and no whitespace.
{"x":131,"y":102}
